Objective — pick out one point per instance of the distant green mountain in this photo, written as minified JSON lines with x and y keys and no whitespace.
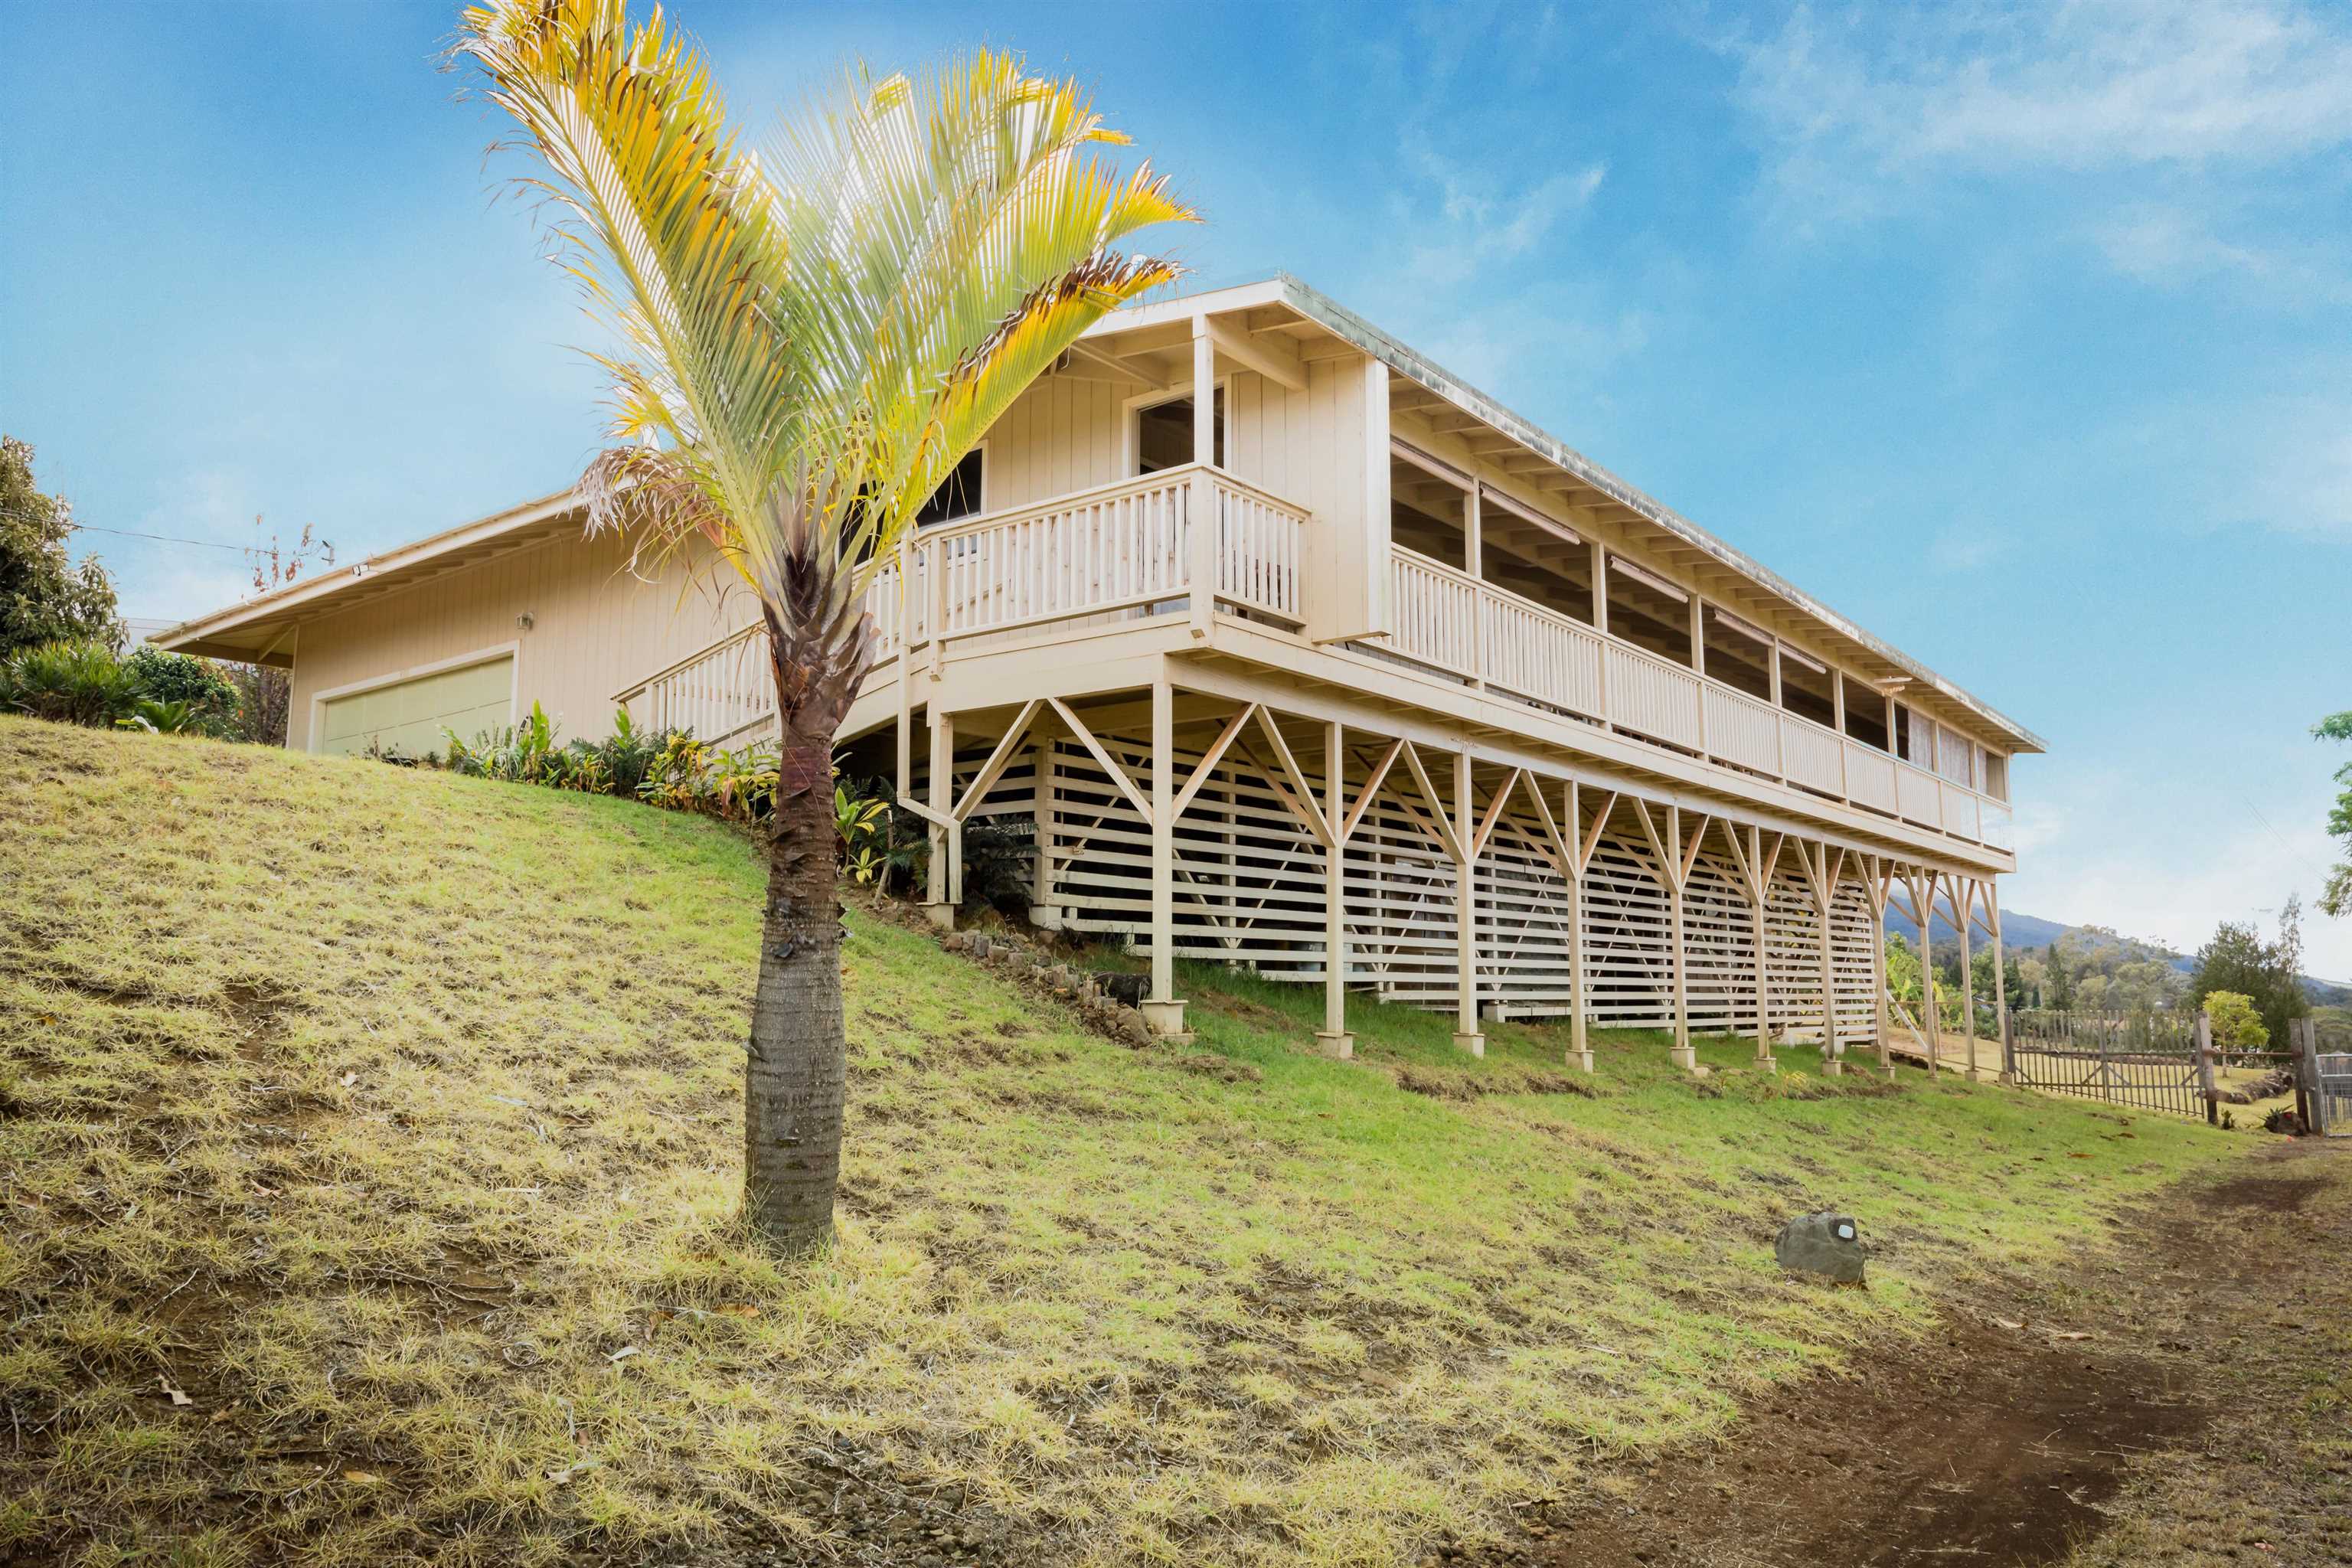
{"x":2021,"y":931}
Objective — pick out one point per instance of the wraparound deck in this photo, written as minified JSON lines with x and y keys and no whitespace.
{"x":1127,"y":556}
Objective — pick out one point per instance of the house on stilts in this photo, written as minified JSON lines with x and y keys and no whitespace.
{"x":1284,"y":647}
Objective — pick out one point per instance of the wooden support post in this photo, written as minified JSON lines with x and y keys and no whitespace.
{"x":1685,"y":1055}
{"x":1467,"y":1035}
{"x":1334,"y":1039}
{"x":1579,"y":1004}
{"x":1832,"y":1047}
{"x":2304,"y":1032}
{"x":1673,"y":872}
{"x":1764,"y":873}
{"x":947,"y":839}
{"x":1043,"y":913}
{"x":1473,"y":564}
{"x":1163,"y":1010}
{"x":1965,"y":908}
{"x":1201,"y":505}
{"x":1923,"y":904}
{"x":1999,"y":976}
{"x":1876,"y":870}
{"x":1204,"y":394}
{"x":2205,"y":1084}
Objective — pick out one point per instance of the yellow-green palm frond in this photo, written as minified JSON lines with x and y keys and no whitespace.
{"x":664,"y":224}
{"x":810,"y":340}
{"x":954,"y":235}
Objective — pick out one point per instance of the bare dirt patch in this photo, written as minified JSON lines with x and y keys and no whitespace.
{"x":2040,"y":1414}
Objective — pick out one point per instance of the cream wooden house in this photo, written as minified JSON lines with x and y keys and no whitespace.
{"x":1342,"y":671}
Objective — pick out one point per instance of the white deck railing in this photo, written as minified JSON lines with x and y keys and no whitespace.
{"x":1452,"y":622}
{"x":1118,"y":548}
{"x":715,"y":692}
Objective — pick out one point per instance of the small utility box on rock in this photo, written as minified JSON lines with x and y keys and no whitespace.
{"x":1826,"y":1244}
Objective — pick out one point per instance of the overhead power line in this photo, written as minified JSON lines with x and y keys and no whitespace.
{"x":161,"y":537}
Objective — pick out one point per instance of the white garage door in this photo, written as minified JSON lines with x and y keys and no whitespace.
{"x":409,"y":716}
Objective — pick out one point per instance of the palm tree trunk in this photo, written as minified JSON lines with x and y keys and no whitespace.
{"x":794,"y":1077}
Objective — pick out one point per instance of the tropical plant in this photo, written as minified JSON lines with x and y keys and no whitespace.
{"x":519,"y":754}
{"x":743,"y":783}
{"x":70,"y":682}
{"x":860,"y":819}
{"x":810,"y":339}
{"x":628,"y":753}
{"x":169,"y":719}
{"x":676,"y":777}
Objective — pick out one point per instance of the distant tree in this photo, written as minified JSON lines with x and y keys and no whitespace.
{"x":2335,"y":893}
{"x":2237,"y":1028}
{"x":2060,"y":981}
{"x":264,"y":696}
{"x":1902,"y":970}
{"x":1983,"y":982}
{"x":2032,"y":978}
{"x":2238,"y":960}
{"x":44,"y":596}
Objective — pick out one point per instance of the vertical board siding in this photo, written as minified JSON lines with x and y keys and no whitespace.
{"x":594,"y":628}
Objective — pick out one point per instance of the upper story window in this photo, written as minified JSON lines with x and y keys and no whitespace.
{"x":1738,"y":654}
{"x":1865,"y":712}
{"x":1163,"y":433}
{"x":960,"y":494}
{"x":1648,"y":611}
{"x":1808,"y":687}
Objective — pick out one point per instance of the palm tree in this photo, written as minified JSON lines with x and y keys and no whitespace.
{"x":811,"y":336}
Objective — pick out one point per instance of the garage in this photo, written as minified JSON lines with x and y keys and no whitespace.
{"x":409,"y":716}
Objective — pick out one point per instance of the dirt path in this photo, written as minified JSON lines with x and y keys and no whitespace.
{"x":2186,"y":1398}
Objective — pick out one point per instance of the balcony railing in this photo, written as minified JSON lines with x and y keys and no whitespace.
{"x":1127,"y":547}
{"x":1452,"y":622}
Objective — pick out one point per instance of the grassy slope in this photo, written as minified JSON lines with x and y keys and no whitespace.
{"x":377,"y":1110}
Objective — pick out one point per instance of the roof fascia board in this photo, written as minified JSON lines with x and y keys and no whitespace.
{"x":311,"y":591}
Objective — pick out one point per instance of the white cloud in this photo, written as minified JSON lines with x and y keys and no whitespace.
{"x":1475,"y":225}
{"x":2166,"y":246}
{"x":2091,"y":85}
{"x":2145,"y":118}
{"x":1966,"y":547}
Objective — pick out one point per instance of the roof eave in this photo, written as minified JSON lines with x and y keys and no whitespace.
{"x":1344,"y":324}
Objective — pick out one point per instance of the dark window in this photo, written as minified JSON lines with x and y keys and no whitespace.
{"x":1163,"y":434}
{"x":1805,"y":689}
{"x":1649,"y":613}
{"x":1738,"y":655}
{"x":1865,"y":713}
{"x":958,"y":494}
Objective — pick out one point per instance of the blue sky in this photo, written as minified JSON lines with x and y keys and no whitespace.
{"x":2024,"y":337}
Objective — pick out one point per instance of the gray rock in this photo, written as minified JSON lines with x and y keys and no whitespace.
{"x":981,"y":946}
{"x":1826,"y":1244}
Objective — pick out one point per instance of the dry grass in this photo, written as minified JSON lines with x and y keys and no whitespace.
{"x":380,"y":1112}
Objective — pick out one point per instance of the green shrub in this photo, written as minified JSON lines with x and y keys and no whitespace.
{"x":70,"y":682}
{"x":180,"y":678}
